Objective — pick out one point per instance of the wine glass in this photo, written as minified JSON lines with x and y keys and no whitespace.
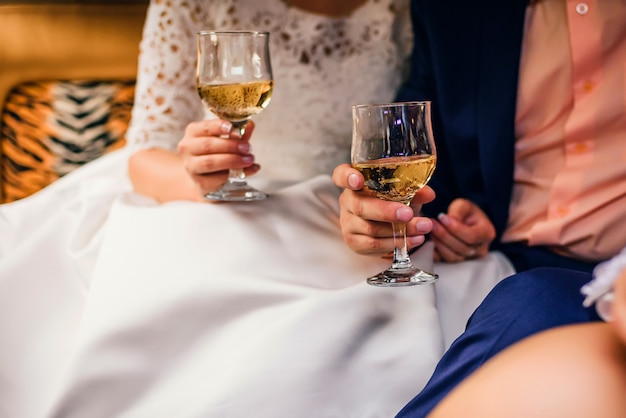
{"x":394,"y":149}
{"x":234,"y":80}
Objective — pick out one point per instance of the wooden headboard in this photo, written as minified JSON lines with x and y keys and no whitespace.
{"x":87,"y":40}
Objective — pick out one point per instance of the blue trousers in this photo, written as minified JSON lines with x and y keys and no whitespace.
{"x":517,"y":307}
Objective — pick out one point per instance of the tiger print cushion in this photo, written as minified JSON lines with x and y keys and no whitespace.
{"x":50,"y":128}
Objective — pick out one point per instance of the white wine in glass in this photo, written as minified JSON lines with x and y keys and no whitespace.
{"x":394,"y":149}
{"x":234,"y":80}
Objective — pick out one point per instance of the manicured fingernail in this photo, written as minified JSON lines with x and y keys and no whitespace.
{"x":247,"y":159}
{"x":226,"y":127}
{"x":416,"y":240}
{"x":424,"y":227}
{"x":244,"y":148}
{"x":444,"y":219}
{"x":353,"y":181}
{"x":404,"y":214}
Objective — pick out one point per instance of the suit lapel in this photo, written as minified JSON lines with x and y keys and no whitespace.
{"x":497,"y":92}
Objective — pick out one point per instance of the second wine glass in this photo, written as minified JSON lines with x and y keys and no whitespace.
{"x":393,"y":147}
{"x":234,"y":80}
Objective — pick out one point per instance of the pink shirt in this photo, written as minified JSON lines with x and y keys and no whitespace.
{"x":570,"y":151}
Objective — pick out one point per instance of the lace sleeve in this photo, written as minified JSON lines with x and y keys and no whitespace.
{"x":165,"y":94}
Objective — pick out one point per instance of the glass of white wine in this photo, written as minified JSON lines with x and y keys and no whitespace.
{"x":394,"y":149}
{"x":234,"y":80}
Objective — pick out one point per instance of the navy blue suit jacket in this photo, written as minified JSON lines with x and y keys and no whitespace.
{"x":466,"y":61}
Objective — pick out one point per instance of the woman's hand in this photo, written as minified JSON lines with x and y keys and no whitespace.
{"x":207,"y":156}
{"x":201,"y":164}
{"x":463,"y":233}
{"x":366,"y":220}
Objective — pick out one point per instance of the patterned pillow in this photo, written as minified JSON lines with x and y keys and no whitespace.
{"x":50,"y":128}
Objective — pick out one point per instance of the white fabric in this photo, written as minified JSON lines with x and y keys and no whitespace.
{"x":599,"y":291}
{"x":463,"y":286}
{"x":48,"y":246}
{"x":112,"y":305}
{"x":263,"y":310}
{"x":279,"y":324}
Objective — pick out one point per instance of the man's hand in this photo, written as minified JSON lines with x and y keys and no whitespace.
{"x":464,"y":232}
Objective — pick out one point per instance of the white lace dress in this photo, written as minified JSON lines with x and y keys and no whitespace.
{"x":322,"y":66}
{"x":114,"y":306}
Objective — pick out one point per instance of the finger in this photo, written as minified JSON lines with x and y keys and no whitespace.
{"x":367,"y":245}
{"x":197,"y":146}
{"x":472,"y":223}
{"x":416,"y":229}
{"x":445,"y":253}
{"x":376,"y":238}
{"x":366,"y":237}
{"x":209,"y":127}
{"x":249,"y":129}
{"x":461,"y":209}
{"x":467,"y":212}
{"x":206,"y":183}
{"x":369,"y":207}
{"x":362,"y":235}
{"x":453,"y":249}
{"x":354,"y":222}
{"x":472,"y":235}
{"x":346,"y":177}
{"x":425,"y":195}
{"x":215,"y":163}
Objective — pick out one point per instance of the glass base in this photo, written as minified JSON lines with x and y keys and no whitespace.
{"x":236,"y":192}
{"x":402,"y":277}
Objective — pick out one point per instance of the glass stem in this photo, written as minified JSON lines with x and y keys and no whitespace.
{"x":401,"y":258}
{"x":236,"y":175}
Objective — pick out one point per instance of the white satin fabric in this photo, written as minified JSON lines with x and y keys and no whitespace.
{"x":48,"y":246}
{"x":211,"y":310}
{"x":263,"y":311}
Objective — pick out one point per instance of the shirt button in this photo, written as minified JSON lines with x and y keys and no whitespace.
{"x":582,"y":9}
{"x":581,"y":148}
{"x":562,"y":211}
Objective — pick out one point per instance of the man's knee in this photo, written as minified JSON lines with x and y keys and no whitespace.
{"x":549,"y":296}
